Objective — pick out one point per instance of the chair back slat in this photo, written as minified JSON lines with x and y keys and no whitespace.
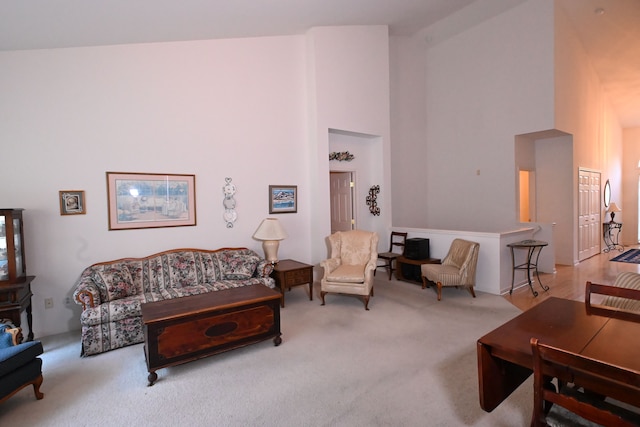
{"x":397,"y":239}
{"x":590,"y":374}
{"x":622,"y":300}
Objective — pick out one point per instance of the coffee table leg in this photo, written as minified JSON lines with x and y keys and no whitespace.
{"x":152,"y":377}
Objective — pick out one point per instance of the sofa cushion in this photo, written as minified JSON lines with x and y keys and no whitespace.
{"x":114,"y":282}
{"x":238,"y":265}
{"x":182,"y":269}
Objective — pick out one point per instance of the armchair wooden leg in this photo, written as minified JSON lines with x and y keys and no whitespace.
{"x":425,"y":283}
{"x":473,"y":294}
{"x":439,"y":290}
{"x":36,"y":387}
{"x":322,"y":294}
{"x":366,"y":302}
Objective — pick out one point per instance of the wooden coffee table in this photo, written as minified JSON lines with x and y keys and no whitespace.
{"x":183,"y":329}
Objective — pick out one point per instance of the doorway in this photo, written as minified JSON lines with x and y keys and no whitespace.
{"x":527,"y":192}
{"x":341,"y":189}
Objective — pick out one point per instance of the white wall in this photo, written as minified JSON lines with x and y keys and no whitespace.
{"x":348,"y":70}
{"x":216,"y":109}
{"x":484,"y":86}
{"x":583,"y":110}
{"x":250,"y":109}
{"x":630,"y":185}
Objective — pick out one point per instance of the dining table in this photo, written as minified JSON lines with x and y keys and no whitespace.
{"x":505,"y":357}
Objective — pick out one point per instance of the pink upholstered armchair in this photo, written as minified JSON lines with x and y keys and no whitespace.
{"x":350,"y":269}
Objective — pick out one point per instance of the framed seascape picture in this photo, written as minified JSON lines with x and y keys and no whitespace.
{"x":72,"y":202}
{"x":150,"y":200}
{"x":283,"y":199}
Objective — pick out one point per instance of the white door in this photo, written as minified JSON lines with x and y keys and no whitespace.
{"x":341,"y":195}
{"x":588,"y":214}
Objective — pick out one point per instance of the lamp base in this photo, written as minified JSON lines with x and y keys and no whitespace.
{"x":270,"y":248}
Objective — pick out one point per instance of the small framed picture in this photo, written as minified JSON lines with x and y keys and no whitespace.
{"x":283,"y":199}
{"x":72,"y":202}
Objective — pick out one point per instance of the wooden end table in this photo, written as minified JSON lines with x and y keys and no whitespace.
{"x":417,"y":262}
{"x":288,"y":273}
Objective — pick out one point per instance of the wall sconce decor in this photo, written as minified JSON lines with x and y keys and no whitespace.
{"x":372,"y":201}
{"x":230,"y":215}
{"x":342,"y":156}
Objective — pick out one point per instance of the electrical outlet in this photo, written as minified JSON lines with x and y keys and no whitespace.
{"x":67,"y":300}
{"x":48,"y":303}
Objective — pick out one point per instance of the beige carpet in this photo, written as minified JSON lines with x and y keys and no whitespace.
{"x":409,"y":361}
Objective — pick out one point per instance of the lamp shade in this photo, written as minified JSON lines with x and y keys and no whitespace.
{"x":613,"y":208}
{"x":270,"y":229}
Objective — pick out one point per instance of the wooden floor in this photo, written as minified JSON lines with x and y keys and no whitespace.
{"x":569,"y":281}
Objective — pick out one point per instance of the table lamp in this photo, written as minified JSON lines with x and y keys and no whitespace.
{"x":270,"y":232}
{"x":613,"y":208}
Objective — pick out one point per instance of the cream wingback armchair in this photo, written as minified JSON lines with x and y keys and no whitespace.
{"x":458,"y":268}
{"x":354,"y":255}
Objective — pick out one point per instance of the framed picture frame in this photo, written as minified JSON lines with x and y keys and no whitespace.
{"x":150,"y":200}
{"x":283,"y":199}
{"x":72,"y":202}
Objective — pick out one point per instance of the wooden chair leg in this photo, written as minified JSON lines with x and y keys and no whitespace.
{"x":425,"y":283}
{"x":473,"y":294}
{"x":439,"y":290}
{"x":322,"y":294}
{"x":366,"y":302}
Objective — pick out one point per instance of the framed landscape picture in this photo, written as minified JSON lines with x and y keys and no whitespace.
{"x":283,"y":199}
{"x":150,"y":200}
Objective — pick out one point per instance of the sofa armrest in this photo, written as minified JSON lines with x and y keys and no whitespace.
{"x":86,"y":293}
{"x":264,"y":268}
{"x":87,"y":299}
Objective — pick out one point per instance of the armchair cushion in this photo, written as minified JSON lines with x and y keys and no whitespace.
{"x":347,"y":273}
{"x":12,"y":358}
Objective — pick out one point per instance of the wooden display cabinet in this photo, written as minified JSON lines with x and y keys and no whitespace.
{"x":15,"y":285}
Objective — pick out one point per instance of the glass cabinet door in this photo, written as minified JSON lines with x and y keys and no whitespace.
{"x":4,"y":262}
{"x":17,"y":245}
{"x":12,"y":262}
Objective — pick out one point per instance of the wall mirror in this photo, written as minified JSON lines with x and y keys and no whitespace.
{"x":607,"y":194}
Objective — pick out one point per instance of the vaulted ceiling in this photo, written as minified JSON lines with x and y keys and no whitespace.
{"x":611,"y":36}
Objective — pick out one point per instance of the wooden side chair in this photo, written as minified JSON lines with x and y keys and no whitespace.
{"x":570,"y":406}
{"x":621,"y":300}
{"x":396,"y":248}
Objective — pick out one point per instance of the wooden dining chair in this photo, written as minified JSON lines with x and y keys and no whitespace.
{"x":396,"y":248}
{"x":621,"y":300}
{"x":569,"y":406}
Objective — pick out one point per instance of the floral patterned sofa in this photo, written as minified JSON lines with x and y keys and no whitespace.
{"x":111,"y":292}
